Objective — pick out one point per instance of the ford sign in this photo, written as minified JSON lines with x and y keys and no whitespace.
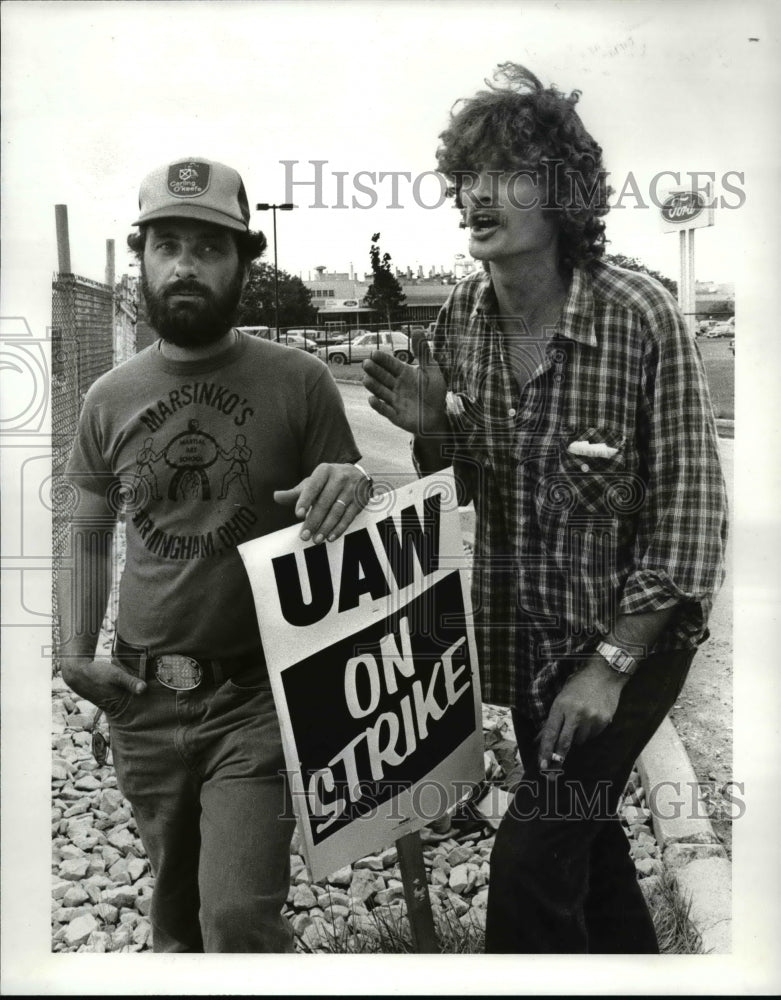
{"x":683,"y":206}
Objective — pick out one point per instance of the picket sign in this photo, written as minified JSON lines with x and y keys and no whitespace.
{"x":371,"y":655}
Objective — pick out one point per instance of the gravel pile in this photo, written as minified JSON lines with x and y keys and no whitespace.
{"x":102,"y":883}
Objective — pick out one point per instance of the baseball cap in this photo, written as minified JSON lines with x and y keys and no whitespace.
{"x":194,"y":188}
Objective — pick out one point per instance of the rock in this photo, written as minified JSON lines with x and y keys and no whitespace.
{"x":343,"y":876}
{"x":79,"y":930}
{"x":120,"y":815}
{"x":77,"y":809}
{"x":60,"y":887}
{"x":315,"y":934}
{"x":123,"y":840}
{"x":74,"y":870}
{"x":136,"y":868}
{"x":144,"y":904}
{"x":389,"y":857}
{"x":335,"y":897}
{"x":300,"y":922}
{"x":459,"y":878}
{"x":97,"y":865}
{"x":75,"y":896}
{"x":79,"y":722}
{"x":87,"y":783}
{"x":121,"y":896}
{"x":303,"y":898}
{"x":372,"y":863}
{"x":363,"y":926}
{"x":67,"y":914}
{"x":440,"y":861}
{"x":142,"y":935}
{"x":439,"y":876}
{"x":94,"y":892}
{"x":110,"y":800}
{"x":336,"y":910}
{"x":459,"y":856}
{"x":386,"y":896}
{"x":69,"y":851}
{"x":119,"y":868}
{"x":107,"y":913}
{"x":480,"y":899}
{"x":648,"y":866}
{"x":363,"y":884}
{"x":84,"y":836}
{"x":60,"y":770}
{"x":457,"y":904}
{"x":121,"y":938}
{"x":110,"y":854}
{"x":99,"y":942}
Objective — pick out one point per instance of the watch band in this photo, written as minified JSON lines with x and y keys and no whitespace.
{"x":621,"y":661}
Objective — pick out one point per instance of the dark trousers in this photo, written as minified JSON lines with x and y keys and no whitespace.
{"x":562,"y":880}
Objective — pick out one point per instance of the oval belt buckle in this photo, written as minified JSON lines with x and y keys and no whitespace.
{"x":178,"y":672}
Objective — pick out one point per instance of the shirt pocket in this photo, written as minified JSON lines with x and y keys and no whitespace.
{"x":598,"y":478}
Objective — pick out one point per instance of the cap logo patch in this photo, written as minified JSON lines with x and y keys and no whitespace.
{"x":189,"y":179}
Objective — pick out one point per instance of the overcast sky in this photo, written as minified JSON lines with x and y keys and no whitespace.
{"x":96,"y":94}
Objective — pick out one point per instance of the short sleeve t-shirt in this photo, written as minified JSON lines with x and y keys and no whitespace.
{"x":193,"y":452}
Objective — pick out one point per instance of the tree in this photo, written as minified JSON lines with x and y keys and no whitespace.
{"x":633,"y":264}
{"x":384,"y":294}
{"x":257,"y":302}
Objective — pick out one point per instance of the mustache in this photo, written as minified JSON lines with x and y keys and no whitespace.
{"x":186,"y":288}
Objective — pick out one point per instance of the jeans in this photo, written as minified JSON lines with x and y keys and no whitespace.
{"x":204,"y":773}
{"x":562,"y":879}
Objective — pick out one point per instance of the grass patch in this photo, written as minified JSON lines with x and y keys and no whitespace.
{"x":671,"y":913}
{"x":385,"y":930}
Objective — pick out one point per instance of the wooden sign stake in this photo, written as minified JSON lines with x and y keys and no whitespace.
{"x":413,"y":877}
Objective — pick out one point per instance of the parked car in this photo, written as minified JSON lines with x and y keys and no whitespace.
{"x":326,"y":337}
{"x":298,"y":340}
{"x":256,"y":331}
{"x":362,"y":346}
{"x":721,"y":330}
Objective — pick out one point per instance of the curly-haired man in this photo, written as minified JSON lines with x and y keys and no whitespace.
{"x":571,"y":401}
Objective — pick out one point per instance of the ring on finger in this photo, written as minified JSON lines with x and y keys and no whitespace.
{"x":342,"y":502}
{"x":557,"y":758}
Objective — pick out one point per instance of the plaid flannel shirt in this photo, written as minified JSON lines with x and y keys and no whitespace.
{"x":565,"y":542}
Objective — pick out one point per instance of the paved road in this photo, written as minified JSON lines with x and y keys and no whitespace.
{"x":385,"y":448}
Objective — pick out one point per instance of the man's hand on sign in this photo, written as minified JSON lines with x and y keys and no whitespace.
{"x":99,"y":681}
{"x":328,"y":500}
{"x":584,"y":707}
{"x":411,"y":397}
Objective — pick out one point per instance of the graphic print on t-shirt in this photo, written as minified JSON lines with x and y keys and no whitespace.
{"x":189,"y":454}
{"x":182,"y":463}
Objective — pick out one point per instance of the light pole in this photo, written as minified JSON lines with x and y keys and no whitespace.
{"x":264,"y":206}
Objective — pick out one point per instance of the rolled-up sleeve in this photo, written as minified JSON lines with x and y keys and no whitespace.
{"x":682,"y":529}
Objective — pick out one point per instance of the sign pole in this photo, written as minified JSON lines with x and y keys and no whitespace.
{"x":413,"y":877}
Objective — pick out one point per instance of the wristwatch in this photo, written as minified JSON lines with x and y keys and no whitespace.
{"x":618,"y":658}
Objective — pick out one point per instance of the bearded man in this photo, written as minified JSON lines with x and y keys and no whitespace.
{"x":194,"y":734}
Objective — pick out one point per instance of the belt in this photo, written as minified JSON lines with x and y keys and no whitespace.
{"x":181,"y":671}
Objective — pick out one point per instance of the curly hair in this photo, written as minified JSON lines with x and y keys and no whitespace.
{"x":519,"y":125}
{"x":250,"y":245}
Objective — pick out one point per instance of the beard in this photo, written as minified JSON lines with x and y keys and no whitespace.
{"x":194,"y":323}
